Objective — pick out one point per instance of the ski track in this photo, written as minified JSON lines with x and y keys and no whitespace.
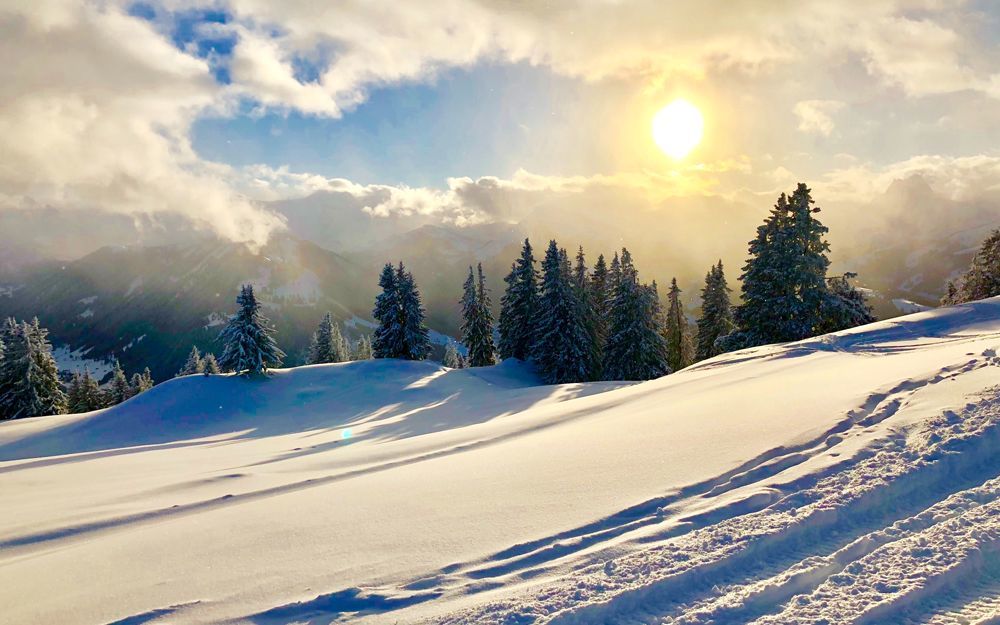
{"x":761,"y":559}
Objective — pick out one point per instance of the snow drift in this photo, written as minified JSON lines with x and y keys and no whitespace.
{"x":847,"y":478}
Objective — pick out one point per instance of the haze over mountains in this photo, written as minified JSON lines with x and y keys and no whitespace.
{"x":144,"y":290}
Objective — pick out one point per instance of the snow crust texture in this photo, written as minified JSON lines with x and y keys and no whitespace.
{"x":851,"y":478}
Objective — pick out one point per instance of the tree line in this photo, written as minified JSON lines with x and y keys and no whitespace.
{"x":30,"y":384}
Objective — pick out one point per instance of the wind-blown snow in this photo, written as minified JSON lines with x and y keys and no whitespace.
{"x":847,"y":478}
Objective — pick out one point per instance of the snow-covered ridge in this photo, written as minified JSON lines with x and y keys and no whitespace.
{"x":844,"y":479}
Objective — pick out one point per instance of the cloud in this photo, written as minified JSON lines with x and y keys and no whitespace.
{"x":815,"y":115}
{"x":96,"y":116}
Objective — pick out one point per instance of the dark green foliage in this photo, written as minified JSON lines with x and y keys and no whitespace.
{"x":680,"y":351}
{"x":248,"y":339}
{"x":518,"y":307}
{"x":561,"y":349}
{"x":716,"y":313}
{"x":982,"y":279}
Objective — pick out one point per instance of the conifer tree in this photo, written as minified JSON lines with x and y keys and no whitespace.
{"x":585,"y":297}
{"x":477,"y":321}
{"x":211,"y":366}
{"x":29,"y":379}
{"x":194,"y":363}
{"x":845,"y":307}
{"x":982,"y":279}
{"x":716,"y":313}
{"x":452,"y":360}
{"x":636,"y":349}
{"x":248,"y":339}
{"x":363,"y":348}
{"x":324,"y":347}
{"x":88,"y":394}
{"x":416,"y":336}
{"x":519,"y":307}
{"x":560,"y":351}
{"x":118,"y":387}
{"x":680,"y":351}
{"x":599,"y":297}
{"x":784,"y":280}
{"x":387,"y":341}
{"x":73,"y":393}
{"x":135,"y":385}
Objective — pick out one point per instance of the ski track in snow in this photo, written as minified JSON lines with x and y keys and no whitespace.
{"x":859,"y":546}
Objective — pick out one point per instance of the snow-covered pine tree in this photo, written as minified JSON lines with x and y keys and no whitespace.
{"x":560,"y":351}
{"x":363,"y":348}
{"x":147,"y":379}
{"x":387,"y":342}
{"x":599,"y":297}
{"x":88,"y":397}
{"x":451,"y":358}
{"x":519,"y":307}
{"x":211,"y":365}
{"x":982,"y":279}
{"x":135,"y":385}
{"x":324,"y":346}
{"x":635,"y":349}
{"x":415,"y":335}
{"x":194,"y":363}
{"x":716,"y":313}
{"x":341,"y":346}
{"x":29,"y":380}
{"x":588,"y":312}
{"x":248,"y":339}
{"x":73,"y":393}
{"x":118,"y":388}
{"x":680,"y":350}
{"x":845,"y":306}
{"x":809,"y":265}
{"x":477,"y":320}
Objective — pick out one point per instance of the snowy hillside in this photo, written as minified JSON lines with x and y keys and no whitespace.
{"x":849,"y":478}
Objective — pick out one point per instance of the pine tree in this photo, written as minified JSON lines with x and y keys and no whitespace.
{"x":193,"y":365}
{"x":599,"y":299}
{"x":585,"y":297}
{"x":716,"y":313}
{"x":85,"y":394}
{"x":477,"y":320}
{"x":210,"y":365}
{"x":636,"y":349}
{"x":325,"y":347}
{"x":845,"y":306}
{"x":29,"y":380}
{"x":982,"y":279}
{"x":248,"y":339}
{"x":519,"y":307}
{"x":784,"y":281}
{"x":363,"y":349}
{"x":680,"y":351}
{"x":135,"y":385}
{"x":415,"y":335}
{"x":387,"y":341}
{"x":341,"y":346}
{"x":560,"y":351}
{"x":118,"y":387}
{"x":74,"y":393}
{"x":451,"y":358}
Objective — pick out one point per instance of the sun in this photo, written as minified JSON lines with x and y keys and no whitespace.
{"x":677,"y":128}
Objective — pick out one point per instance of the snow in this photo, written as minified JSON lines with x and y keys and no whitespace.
{"x":134,"y":286}
{"x":847,"y":478}
{"x":906,"y":307}
{"x":87,"y":301}
{"x":86,"y":314}
{"x":215,"y":319}
{"x":75,"y":361}
{"x":305,"y":288}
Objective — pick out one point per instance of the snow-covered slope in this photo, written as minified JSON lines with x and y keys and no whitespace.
{"x":848,"y":478}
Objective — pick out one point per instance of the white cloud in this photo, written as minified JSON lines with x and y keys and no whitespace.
{"x":96,"y":115}
{"x":815,"y":115}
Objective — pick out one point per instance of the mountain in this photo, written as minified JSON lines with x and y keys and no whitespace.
{"x":849,"y":478}
{"x":147,"y":306}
